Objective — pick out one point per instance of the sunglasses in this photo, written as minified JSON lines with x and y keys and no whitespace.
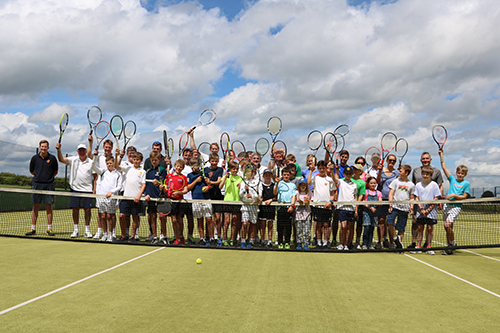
{"x":393,"y":161}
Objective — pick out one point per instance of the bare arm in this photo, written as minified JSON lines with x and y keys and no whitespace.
{"x":60,"y":157}
{"x":89,"y":150}
{"x":443,"y":165}
{"x":192,"y":144}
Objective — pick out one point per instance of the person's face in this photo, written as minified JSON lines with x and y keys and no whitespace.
{"x":130,"y":155}
{"x":255,"y":160}
{"x":157,"y":148}
{"x":196,"y":168}
{"x":372,"y":184}
{"x":391,"y":161}
{"x":178,"y":168}
{"x":267,"y":177}
{"x":322,"y":171}
{"x":82,"y":152}
{"x":108,"y":149}
{"x":196,"y":154}
{"x":234,"y":171}
{"x":111,"y":165}
{"x":343,"y":159}
{"x":286,"y":176}
{"x":310,"y":161}
{"x":426,"y":176}
{"x":214,"y":149}
{"x":155,"y":162}
{"x":213,"y":163}
{"x":303,"y":187}
{"x":375,"y":159}
{"x":186,"y":155}
{"x":403,"y":173}
{"x":44,"y":147}
{"x":137,"y":162}
{"x":461,"y":175}
{"x":361,"y":162}
{"x":347,"y":175}
{"x":426,"y":159}
{"x":357,"y":172}
{"x":278,"y":156}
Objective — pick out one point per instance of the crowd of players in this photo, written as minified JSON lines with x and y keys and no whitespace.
{"x":251,"y":220}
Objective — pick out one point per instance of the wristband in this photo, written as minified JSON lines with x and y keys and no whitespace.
{"x":293,"y":206}
{"x":331,"y":201}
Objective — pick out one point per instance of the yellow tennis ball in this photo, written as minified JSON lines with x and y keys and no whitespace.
{"x":198,"y":261}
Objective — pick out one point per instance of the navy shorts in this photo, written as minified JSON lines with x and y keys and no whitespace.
{"x":346,"y":215}
{"x":152,"y":207}
{"x":129,"y":207}
{"x":426,"y":220}
{"x":177,"y":209}
{"x":42,"y":198}
{"x":80,"y":202}
{"x":322,"y":214}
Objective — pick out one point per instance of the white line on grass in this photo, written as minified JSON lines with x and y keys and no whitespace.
{"x":481,"y":255}
{"x":456,"y":277}
{"x":76,"y":282}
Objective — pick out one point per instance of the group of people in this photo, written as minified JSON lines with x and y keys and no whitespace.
{"x":316,"y":197}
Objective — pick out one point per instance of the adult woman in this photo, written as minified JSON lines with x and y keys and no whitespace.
{"x":384,"y":178}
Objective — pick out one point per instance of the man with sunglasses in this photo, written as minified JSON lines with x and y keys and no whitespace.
{"x":384,"y":179}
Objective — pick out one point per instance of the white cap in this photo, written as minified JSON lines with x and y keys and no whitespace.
{"x":81,"y":146}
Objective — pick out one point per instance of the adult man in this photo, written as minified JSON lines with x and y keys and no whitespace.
{"x":80,"y":181}
{"x":156,"y":146}
{"x":437,"y":177}
{"x":43,"y":167}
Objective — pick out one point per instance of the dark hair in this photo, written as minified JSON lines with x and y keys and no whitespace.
{"x":321,"y":163}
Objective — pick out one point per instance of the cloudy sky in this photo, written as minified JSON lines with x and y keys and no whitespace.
{"x":400,"y":66}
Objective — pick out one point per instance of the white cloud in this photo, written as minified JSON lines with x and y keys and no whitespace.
{"x":51,"y":114}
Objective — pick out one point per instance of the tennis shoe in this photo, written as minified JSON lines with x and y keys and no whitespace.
{"x":386,"y":243}
{"x":340,"y":247}
{"x":50,"y":233}
{"x":190,"y":240}
{"x":219,"y":242}
{"x":306,"y":247}
{"x":183,"y":242}
{"x":97,"y":235}
{"x":280,"y":246}
{"x":359,"y":247}
{"x":299,"y":247}
{"x":149,"y":238}
{"x":154,"y":240}
{"x":87,"y":234}
{"x":110,"y":238}
{"x":431,"y":252}
{"x":444,"y":253}
{"x":114,"y":235}
{"x":137,"y":238}
{"x":270,"y":244}
{"x":417,"y":249}
{"x":397,"y":240}
{"x":164,"y":240}
{"x":378,"y":246}
{"x":346,"y":248}
{"x":225,"y":243}
{"x":177,"y":242}
{"x":364,"y":247}
{"x":104,"y":238}
{"x":33,"y":232}
{"x":133,"y":240}
{"x":231,"y":242}
{"x":202,"y":242}
{"x":287,"y":246}
{"x":249,"y":245}
{"x":74,"y":234}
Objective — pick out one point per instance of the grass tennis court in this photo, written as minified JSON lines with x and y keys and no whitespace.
{"x":243,"y":290}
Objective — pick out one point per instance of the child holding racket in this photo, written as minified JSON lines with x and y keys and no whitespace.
{"x":214,"y":175}
{"x":230,"y":183}
{"x":303,"y":215}
{"x":285,"y":192}
{"x":201,"y":210}
{"x":250,"y":209}
{"x":267,"y":212}
{"x":370,"y":215}
{"x":156,"y":173}
{"x":459,"y":190}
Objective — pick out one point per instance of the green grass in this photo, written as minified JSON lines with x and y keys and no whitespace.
{"x":242,"y":291}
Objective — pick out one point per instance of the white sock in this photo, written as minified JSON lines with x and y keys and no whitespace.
{"x":87,"y":228}
{"x":49,"y":226}
{"x":33,"y":227}
{"x":75,"y":226}
{"x":99,"y":229}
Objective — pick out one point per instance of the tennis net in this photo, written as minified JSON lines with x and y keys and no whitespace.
{"x":478,"y":224}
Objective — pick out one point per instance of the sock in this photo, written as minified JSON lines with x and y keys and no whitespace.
{"x":49,"y":226}
{"x":75,"y":226}
{"x":137,"y":231}
{"x":243,"y":241}
{"x":87,"y":228}
{"x":33,"y":227}
{"x":99,"y":229}
{"x":252,"y":240}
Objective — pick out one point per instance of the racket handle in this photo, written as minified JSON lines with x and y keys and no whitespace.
{"x":60,"y":137}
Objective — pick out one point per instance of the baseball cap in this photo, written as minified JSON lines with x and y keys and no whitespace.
{"x":348,"y":169}
{"x":358,"y":166}
{"x":266,"y":171}
{"x":302,"y":180}
{"x":81,"y":146}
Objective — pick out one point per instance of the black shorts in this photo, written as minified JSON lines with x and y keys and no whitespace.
{"x":232,"y":209}
{"x":426,"y":220}
{"x":177,"y":209}
{"x":152,"y":207}
{"x":186,"y":208}
{"x":80,"y":202}
{"x":322,"y":214}
{"x":218,"y":208}
{"x":129,"y":207}
{"x":267,"y":212}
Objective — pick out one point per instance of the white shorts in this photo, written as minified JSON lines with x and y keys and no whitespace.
{"x":107,"y":205}
{"x":201,"y":209}
{"x":249,"y":213}
{"x":450,"y":213}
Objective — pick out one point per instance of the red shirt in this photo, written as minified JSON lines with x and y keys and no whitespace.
{"x":173,"y":183}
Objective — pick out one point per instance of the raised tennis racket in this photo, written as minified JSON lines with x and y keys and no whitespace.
{"x":206,"y":117}
{"x":342,"y":130}
{"x":165,"y":142}
{"x":170,"y":148}
{"x":440,"y":135}
{"x":183,"y":142}
{"x":262,"y":146}
{"x":372,"y":156}
{"x":116,"y":125}
{"x":274,"y":126}
{"x":225,"y":145}
{"x":251,"y":178}
{"x":315,"y":140}
{"x":63,"y":123}
{"x":401,"y":148}
{"x":239,"y":150}
{"x":94,"y":115}
{"x":128,"y":132}
{"x":204,"y":150}
{"x":387,"y":144}
{"x":330,"y":144}
{"x":278,"y":154}
{"x":101,"y":130}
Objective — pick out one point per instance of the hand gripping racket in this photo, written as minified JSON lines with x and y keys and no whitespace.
{"x":116,"y":125}
{"x":206,"y":117}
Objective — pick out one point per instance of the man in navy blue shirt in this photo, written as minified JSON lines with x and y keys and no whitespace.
{"x":44,"y":168}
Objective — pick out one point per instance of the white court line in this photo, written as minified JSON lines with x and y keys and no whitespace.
{"x":479,"y":254}
{"x":454,"y":276}
{"x":76,"y":282}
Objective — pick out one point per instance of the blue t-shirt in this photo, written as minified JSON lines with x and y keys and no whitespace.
{"x":385,"y":181}
{"x":197,"y":191}
{"x":215,"y":192}
{"x":341,"y":170}
{"x":457,"y":187}
{"x":305,"y":174}
{"x":158,"y":173}
{"x":286,"y":191}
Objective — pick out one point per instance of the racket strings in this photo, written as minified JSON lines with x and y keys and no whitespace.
{"x":262,"y":146}
{"x":129,"y":129}
{"x":314,"y":140}
{"x":274,"y":125}
{"x":330,"y":142}
{"x":207,"y":117}
{"x":388,"y":141}
{"x":342,"y":130}
{"x":64,"y":122}
{"x":101,"y":130}
{"x":94,"y":114}
{"x":117,"y":126}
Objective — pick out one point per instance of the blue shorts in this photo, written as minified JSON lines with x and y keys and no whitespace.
{"x":383,"y":210}
{"x":45,"y":198}
{"x":426,"y":220}
{"x":80,"y":202}
{"x":346,"y":215}
{"x":369,"y":219}
{"x":402,"y":219}
{"x":129,"y":207}
{"x":322,"y":214}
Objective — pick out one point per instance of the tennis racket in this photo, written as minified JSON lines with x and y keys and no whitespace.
{"x":204,"y":150}
{"x":274,"y":126}
{"x":401,"y":148}
{"x":128,"y":132}
{"x":101,"y":130}
{"x":206,"y":117}
{"x":170,"y":150}
{"x":167,"y":148}
{"x":251,"y":178}
{"x":262,"y":146}
{"x":165,"y":142}
{"x":94,"y":115}
{"x":183,"y":142}
{"x":225,"y":145}
{"x":239,"y":150}
{"x":63,"y":123}
{"x":330,"y":144}
{"x":440,"y":135}
{"x":387,"y":144}
{"x":116,"y":125}
{"x":164,"y":207}
{"x":372,"y":156}
{"x":315,"y":140}
{"x":175,"y":183}
{"x":342,"y":130}
{"x":278,"y":154}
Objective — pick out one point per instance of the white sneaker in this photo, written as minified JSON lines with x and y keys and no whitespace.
{"x":98,"y":235}
{"x":110,"y":238}
{"x":340,"y":247}
{"x":137,"y":238}
{"x":104,"y":237}
{"x":74,"y":234}
{"x":114,"y":234}
{"x":88,"y":234}
{"x":364,"y":247}
{"x":431,"y":252}
{"x":346,"y":248}
{"x":149,"y":238}
{"x":358,"y":247}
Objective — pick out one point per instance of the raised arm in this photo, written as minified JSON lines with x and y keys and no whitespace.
{"x":443,"y":164}
{"x":89,"y":150}
{"x":60,"y":157}
{"x":192,"y":144}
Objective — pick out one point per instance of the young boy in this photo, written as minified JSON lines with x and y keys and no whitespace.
{"x":401,"y":189}
{"x":199,"y":188}
{"x":134,"y":186}
{"x":266,"y":211}
{"x":176,"y":187}
{"x":110,"y":183}
{"x":361,"y":186}
{"x":459,"y":190}
{"x":285,"y":191}
{"x":214,"y":174}
{"x":324,"y":190}
{"x":427,"y":213}
{"x":230,"y":183}
{"x":347,"y":190}
{"x":250,"y":209}
{"x":154,"y":176}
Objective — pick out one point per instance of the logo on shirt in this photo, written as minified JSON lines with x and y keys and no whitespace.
{"x":402,"y":188}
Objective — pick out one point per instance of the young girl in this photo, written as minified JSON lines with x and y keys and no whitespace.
{"x":303,"y":215}
{"x":370,"y":212}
